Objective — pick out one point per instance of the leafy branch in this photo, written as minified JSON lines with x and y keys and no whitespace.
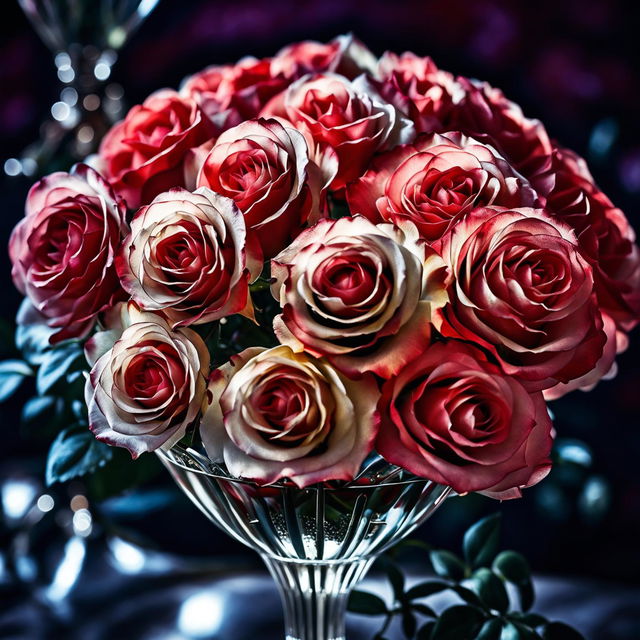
{"x":487,"y":609}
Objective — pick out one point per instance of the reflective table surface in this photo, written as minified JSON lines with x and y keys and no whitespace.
{"x":122,"y":592}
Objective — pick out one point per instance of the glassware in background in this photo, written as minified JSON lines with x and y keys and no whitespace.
{"x":84,"y":38}
{"x":317,"y":542}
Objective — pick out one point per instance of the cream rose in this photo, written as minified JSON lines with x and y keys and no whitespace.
{"x":359,"y":294}
{"x":146,"y":386}
{"x":189,"y":256}
{"x":278,"y":414}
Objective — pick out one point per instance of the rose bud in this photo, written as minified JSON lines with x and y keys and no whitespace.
{"x":345,"y":121}
{"x":278,"y":414}
{"x":359,"y":294}
{"x":147,"y":386}
{"x":604,"y":234}
{"x":419,"y":89}
{"x":143,"y":155}
{"x":63,"y":250}
{"x":345,"y":55}
{"x":434,"y":181}
{"x":189,"y":256}
{"x":264,"y":168}
{"x":522,"y":289}
{"x":455,"y":418}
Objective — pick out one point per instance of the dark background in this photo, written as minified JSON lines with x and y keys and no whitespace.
{"x":574,"y":64}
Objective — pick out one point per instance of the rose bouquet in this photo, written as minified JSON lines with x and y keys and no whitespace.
{"x":301,"y":261}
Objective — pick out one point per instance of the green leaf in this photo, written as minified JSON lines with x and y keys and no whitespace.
{"x":395,"y":576}
{"x":74,"y":453}
{"x":121,"y":473}
{"x":12,"y":374}
{"x":459,"y":622}
{"x":260,"y":284}
{"x":480,"y":544}
{"x":425,"y":631}
{"x":57,"y":364}
{"x":490,"y":630}
{"x":7,"y":341}
{"x":423,"y":609}
{"x":447,"y":565}
{"x":517,"y":631}
{"x":513,"y":567}
{"x":409,"y":624}
{"x":425,"y":589}
{"x":409,"y":543}
{"x":527,"y":595}
{"x":32,"y":334}
{"x":39,"y":409}
{"x":44,"y":416}
{"x":490,"y":590}
{"x":532,"y":620}
{"x":467,"y":595}
{"x":366,"y":604}
{"x":560,"y":631}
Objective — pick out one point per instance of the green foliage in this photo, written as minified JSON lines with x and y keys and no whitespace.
{"x":12,"y":374}
{"x":480,"y":543}
{"x":58,"y":368}
{"x":75,"y":453}
{"x":484,"y":611}
{"x":32,"y":335}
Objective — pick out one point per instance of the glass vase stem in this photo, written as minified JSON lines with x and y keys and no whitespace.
{"x":314,"y":595}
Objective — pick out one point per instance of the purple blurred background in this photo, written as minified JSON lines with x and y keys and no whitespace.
{"x":574,"y":64}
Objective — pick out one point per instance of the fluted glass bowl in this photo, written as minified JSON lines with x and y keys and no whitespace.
{"x":317,"y":542}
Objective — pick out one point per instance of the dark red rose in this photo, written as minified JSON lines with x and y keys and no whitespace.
{"x":229,"y":94}
{"x":455,"y":418}
{"x":485,"y":114}
{"x":522,"y":289}
{"x":63,"y":250}
{"x":605,"y":236}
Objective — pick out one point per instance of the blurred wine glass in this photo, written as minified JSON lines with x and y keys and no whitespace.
{"x":84,"y":37}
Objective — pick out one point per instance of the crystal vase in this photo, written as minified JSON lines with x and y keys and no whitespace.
{"x":317,"y":542}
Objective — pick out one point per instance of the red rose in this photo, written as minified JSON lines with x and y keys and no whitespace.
{"x":418,"y":88}
{"x":523,"y":290}
{"x":436,"y":180}
{"x":345,"y":55}
{"x":230,"y":94}
{"x":604,"y":234}
{"x":346,"y":122}
{"x":455,"y":418}
{"x":189,"y":257}
{"x":144,"y":154}
{"x":264,"y":168}
{"x":64,"y":248}
{"x":485,"y":114}
{"x":604,"y":369}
